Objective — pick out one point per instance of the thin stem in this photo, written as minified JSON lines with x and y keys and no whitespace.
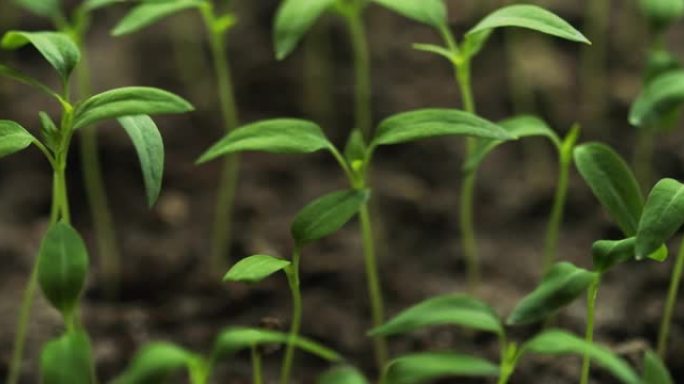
{"x":318,"y":75}
{"x":293,"y":281}
{"x":363,"y":90}
{"x":592,"y":295}
{"x":556,"y":218}
{"x":675,"y":281}
{"x":257,"y":376}
{"x":593,"y":66}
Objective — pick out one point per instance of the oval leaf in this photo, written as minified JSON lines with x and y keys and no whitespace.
{"x":149,"y":145}
{"x":425,"y":367}
{"x":275,"y":136}
{"x":62,"y":266}
{"x":255,"y":268}
{"x":663,"y":216}
{"x":612,"y":182}
{"x":327,"y":214}
{"x":343,"y":375}
{"x":458,"y":310}
{"x":562,"y":285}
{"x":57,"y":48}
{"x":148,"y":13}
{"x":67,"y":359}
{"x":128,"y":101}
{"x":531,"y":17}
{"x":293,"y":19}
{"x":660,"y":96}
{"x":154,"y":363}
{"x":608,"y":253}
{"x":655,"y":371}
{"x":427,"y":123}
{"x":13,"y":138}
{"x":430,"y":12}
{"x":557,"y":342}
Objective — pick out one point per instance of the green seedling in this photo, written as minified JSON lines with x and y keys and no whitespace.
{"x":159,"y":361}
{"x":461,"y":56}
{"x":295,"y":136}
{"x":62,"y":262}
{"x":321,"y":218}
{"x":217,"y":24}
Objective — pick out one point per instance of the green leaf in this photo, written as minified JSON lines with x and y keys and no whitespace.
{"x":128,"y":101}
{"x":149,"y":145}
{"x":13,"y":138}
{"x":429,"y":366}
{"x":46,"y":8}
{"x":450,"y":309}
{"x":557,"y":342}
{"x":427,"y":123}
{"x":562,"y":285}
{"x":28,"y":80}
{"x":342,"y":375}
{"x":235,"y":339}
{"x":255,"y":268}
{"x":663,"y":215}
{"x":275,"y":136}
{"x":293,"y":19}
{"x":531,"y":17}
{"x":326,"y":215}
{"x":662,"y":13}
{"x":430,"y":12}
{"x":437,"y":50}
{"x":155,"y":363}
{"x":608,"y":253}
{"x":655,"y":371}
{"x":148,"y":13}
{"x":612,"y":182}
{"x":355,"y":149}
{"x":67,"y":359}
{"x":660,"y":61}
{"x":57,"y":48}
{"x":660,"y":96}
{"x":91,"y":5}
{"x":474,"y":42}
{"x":49,"y":131}
{"x":62,"y":266}
{"x":520,"y":127}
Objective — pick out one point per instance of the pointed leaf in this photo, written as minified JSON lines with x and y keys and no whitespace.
{"x":474,"y":42}
{"x":128,"y":101}
{"x":612,"y":182}
{"x":67,"y":359}
{"x":293,"y":19}
{"x":49,"y":131}
{"x":327,"y":214}
{"x":255,"y":268}
{"x":660,"y":96}
{"x":46,"y":8}
{"x":275,"y":136}
{"x":57,"y":48}
{"x":662,"y":13}
{"x":557,"y":342}
{"x":562,"y":285}
{"x":531,"y":17}
{"x":343,"y":375}
{"x":430,"y":12}
{"x":428,"y":123}
{"x":655,"y":371}
{"x":13,"y":138}
{"x":149,"y":145}
{"x":460,"y":310}
{"x":663,"y":215}
{"x":430,"y":366}
{"x":155,"y":363}
{"x":149,"y":13}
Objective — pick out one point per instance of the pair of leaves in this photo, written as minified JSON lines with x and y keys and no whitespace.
{"x":13,"y":138}
{"x":67,"y":359}
{"x":148,"y":13}
{"x":661,"y":96}
{"x":57,"y":48}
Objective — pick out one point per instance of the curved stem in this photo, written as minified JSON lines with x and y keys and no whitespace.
{"x":556,"y":217}
{"x":592,"y":295}
{"x":257,"y":376}
{"x":675,"y":282}
{"x":363,"y":90}
{"x":293,"y":281}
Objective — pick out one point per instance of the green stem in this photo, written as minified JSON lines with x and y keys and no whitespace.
{"x":467,"y":227}
{"x":643,"y":157}
{"x":318,"y":75}
{"x":257,"y":376}
{"x":293,"y":281}
{"x":675,"y":281}
{"x":592,"y":295}
{"x":363,"y":90}
{"x":593,"y":68}
{"x":556,"y":218}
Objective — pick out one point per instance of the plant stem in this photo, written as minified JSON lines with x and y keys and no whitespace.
{"x":593,"y":69}
{"x":509,"y":359}
{"x":675,"y":281}
{"x":362,"y":101}
{"x":293,"y":281}
{"x":318,"y":75}
{"x":556,"y":218}
{"x":643,"y":157}
{"x":592,"y":295}
{"x":257,"y":377}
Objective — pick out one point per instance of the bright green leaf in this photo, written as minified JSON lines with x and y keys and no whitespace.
{"x":275,"y":136}
{"x":557,"y":342}
{"x":67,"y":359}
{"x":660,"y":96}
{"x":150,"y":148}
{"x":437,"y":50}
{"x":293,"y":19}
{"x":660,"y":14}
{"x":531,"y":17}
{"x":326,"y":215}
{"x":155,"y":363}
{"x":428,"y":123}
{"x":655,"y":371}
{"x":562,"y":285}
{"x":342,"y":375}
{"x":430,"y":12}
{"x":57,"y":48}
{"x":426,"y":367}
{"x":148,"y":13}
{"x":128,"y":101}
{"x":612,"y":182}
{"x":46,"y":8}
{"x":663,"y":215}
{"x":460,"y":310}
{"x":255,"y":268}
{"x":13,"y":138}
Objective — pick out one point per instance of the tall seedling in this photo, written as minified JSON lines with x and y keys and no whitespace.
{"x":62,"y":263}
{"x":217,"y":25}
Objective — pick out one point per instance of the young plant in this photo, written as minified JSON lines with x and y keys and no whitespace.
{"x":461,"y":56}
{"x":321,"y":218}
{"x":62,"y":262}
{"x":217,"y":24}
{"x":295,"y":136}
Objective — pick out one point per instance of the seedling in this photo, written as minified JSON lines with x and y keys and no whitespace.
{"x":62,"y":262}
{"x":321,"y":218}
{"x":294,"y":136}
